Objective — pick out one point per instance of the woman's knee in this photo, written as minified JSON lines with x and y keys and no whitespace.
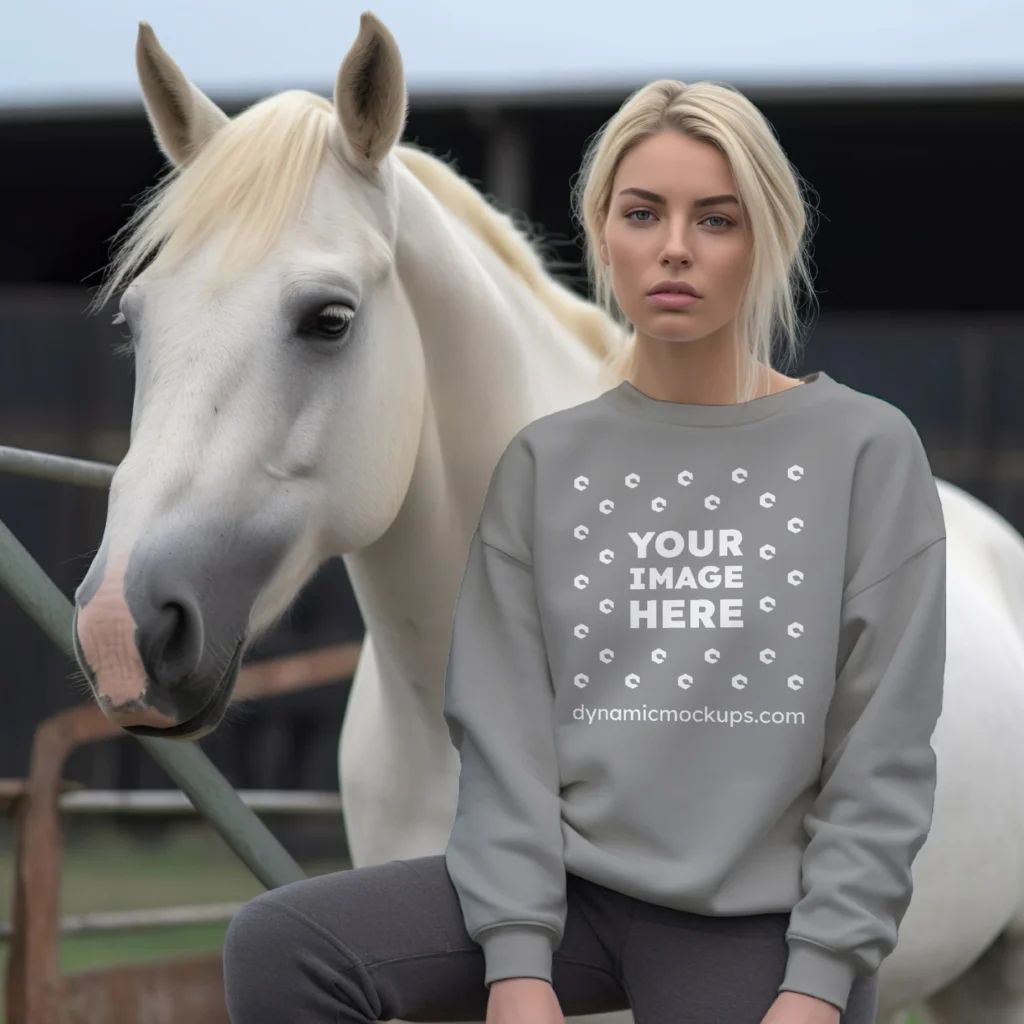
{"x":251,"y":936}
{"x":278,"y":965}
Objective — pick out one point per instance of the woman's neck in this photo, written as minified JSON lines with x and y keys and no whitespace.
{"x":699,"y":373}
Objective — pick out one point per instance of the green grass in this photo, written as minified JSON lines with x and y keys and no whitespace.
{"x":108,"y":872}
{"x":83,"y":953}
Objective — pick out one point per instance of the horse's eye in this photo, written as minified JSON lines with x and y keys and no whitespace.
{"x":332,"y":321}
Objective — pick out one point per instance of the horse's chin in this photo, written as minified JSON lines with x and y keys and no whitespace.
{"x":206,"y":720}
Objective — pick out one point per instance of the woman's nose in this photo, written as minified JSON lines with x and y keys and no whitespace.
{"x":676,"y":248}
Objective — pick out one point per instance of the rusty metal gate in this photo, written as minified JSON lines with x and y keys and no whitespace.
{"x":179,"y":991}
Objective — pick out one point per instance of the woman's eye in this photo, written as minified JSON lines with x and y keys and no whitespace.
{"x":717,"y":216}
{"x":632,"y":214}
{"x":332,"y":321}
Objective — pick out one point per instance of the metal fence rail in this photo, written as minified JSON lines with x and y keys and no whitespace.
{"x":56,"y":467}
{"x":102,"y":922}
{"x":207,"y":789}
{"x":165,"y":803}
{"x":170,"y":801}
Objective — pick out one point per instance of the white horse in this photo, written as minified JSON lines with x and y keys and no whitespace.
{"x":379,"y":335}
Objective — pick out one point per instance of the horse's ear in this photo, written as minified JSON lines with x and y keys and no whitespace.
{"x":369,"y":94}
{"x":181,"y":116}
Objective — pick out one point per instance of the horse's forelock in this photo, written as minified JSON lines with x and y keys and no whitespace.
{"x":251,"y":178}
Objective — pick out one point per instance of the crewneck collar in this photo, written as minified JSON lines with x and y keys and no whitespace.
{"x":627,"y":398}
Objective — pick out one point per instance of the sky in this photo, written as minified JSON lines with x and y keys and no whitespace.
{"x":67,"y":52}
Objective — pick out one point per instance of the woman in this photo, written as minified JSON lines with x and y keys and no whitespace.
{"x":696,"y":661}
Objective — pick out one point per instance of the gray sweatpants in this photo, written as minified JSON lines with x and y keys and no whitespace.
{"x":388,"y":941}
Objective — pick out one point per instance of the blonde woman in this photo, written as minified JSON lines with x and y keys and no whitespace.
{"x":696,"y":662}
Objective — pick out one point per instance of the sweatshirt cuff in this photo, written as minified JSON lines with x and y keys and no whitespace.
{"x":815,"y":971}
{"x":517,"y":951}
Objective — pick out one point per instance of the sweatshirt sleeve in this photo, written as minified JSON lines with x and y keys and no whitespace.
{"x":504,"y":854}
{"x":874,"y":808}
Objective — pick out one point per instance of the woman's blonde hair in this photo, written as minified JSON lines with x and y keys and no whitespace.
{"x":769,"y":189}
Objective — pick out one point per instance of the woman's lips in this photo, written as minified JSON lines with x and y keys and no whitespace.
{"x":672,"y":300}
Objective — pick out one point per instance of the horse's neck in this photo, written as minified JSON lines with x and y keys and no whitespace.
{"x":496,"y":359}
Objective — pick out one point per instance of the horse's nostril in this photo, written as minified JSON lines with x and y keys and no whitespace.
{"x":171,"y":643}
{"x":176,"y":627}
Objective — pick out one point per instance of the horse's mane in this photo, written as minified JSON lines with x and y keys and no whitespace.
{"x":259,"y":168}
{"x":500,"y":232}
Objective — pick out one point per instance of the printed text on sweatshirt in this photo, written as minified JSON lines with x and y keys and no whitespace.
{"x":697,"y":657}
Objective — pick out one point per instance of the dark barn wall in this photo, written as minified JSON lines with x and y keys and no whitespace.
{"x":919,"y":283}
{"x":919,"y":200}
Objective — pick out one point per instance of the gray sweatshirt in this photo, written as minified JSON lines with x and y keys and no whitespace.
{"x":697,"y":657}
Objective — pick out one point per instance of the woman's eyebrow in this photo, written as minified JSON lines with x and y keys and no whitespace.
{"x":655,"y":198}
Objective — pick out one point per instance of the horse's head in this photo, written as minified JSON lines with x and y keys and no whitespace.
{"x":277,"y":364}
